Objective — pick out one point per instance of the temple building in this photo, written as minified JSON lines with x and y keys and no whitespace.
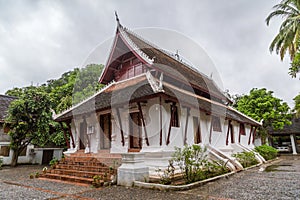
{"x":152,"y":103}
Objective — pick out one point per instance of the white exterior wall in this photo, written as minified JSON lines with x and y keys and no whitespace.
{"x":151,"y":114}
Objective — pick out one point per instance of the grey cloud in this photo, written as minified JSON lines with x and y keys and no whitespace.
{"x":41,"y":40}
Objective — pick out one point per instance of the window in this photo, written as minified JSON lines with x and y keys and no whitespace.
{"x":216,"y":124}
{"x":242,"y":129}
{"x":174,"y":116}
{"x":4,"y":151}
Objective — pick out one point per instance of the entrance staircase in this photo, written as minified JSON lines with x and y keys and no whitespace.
{"x":81,"y":167}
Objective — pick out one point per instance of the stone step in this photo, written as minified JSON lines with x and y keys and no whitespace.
{"x":77,"y":173}
{"x":83,"y":168}
{"x":68,"y":178}
{"x":99,"y":154}
{"x":83,"y":163}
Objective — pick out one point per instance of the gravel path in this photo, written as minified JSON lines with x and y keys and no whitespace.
{"x":279,"y":181}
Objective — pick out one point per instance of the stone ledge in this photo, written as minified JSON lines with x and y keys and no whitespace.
{"x":179,"y":187}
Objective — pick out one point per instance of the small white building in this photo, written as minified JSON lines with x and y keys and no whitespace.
{"x":153,"y":102}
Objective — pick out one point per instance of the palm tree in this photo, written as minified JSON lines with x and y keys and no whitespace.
{"x":289,"y":33}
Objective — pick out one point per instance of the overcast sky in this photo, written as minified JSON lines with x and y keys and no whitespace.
{"x":40,"y":40}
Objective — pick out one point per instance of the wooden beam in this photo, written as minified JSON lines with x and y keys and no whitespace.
{"x":254,"y":134}
{"x":251,"y":130}
{"x":186,"y":124}
{"x":143,"y":122}
{"x":228,"y":129}
{"x":65,"y":135}
{"x":160,"y":122}
{"x":240,"y":134}
{"x":231,"y":133}
{"x":120,"y":123}
{"x":210,"y":131}
{"x":70,"y":132}
{"x":170,"y":125}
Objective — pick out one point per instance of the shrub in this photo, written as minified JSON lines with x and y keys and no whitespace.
{"x":194,"y":164}
{"x":167,"y":174}
{"x":97,"y":181}
{"x":247,"y":159}
{"x":53,"y":162}
{"x":267,"y":151}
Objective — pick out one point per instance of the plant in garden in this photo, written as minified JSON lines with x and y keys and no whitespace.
{"x":31,"y":176}
{"x":247,"y":159}
{"x":267,"y":151}
{"x":97,"y":181}
{"x":167,"y":174}
{"x":53,"y":162}
{"x":194,"y":164}
{"x":190,"y":160}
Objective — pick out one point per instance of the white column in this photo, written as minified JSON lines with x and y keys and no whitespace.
{"x":293,"y":144}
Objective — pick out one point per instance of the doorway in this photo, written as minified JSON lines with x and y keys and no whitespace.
{"x":105,"y":135}
{"x":197,"y":130}
{"x":47,"y":157}
{"x":135,"y":132}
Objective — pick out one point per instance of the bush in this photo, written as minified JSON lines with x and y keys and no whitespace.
{"x":247,"y":159}
{"x":194,"y":164}
{"x":53,"y":162}
{"x":167,"y":174}
{"x":267,"y":151}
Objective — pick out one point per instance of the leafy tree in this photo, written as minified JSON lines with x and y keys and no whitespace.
{"x":87,"y":82}
{"x":59,"y":94}
{"x":288,"y":36}
{"x":30,"y":116}
{"x":15,"y":92}
{"x":28,"y":119}
{"x":297,"y":105}
{"x":261,"y":105}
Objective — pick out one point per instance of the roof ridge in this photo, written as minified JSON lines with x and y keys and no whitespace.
{"x":164,"y":51}
{"x":135,"y":47}
{"x":7,"y":96}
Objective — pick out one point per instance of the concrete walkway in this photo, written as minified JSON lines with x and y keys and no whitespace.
{"x":279,"y":181}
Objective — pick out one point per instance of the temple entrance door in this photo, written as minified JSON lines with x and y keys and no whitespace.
{"x":105,"y":135}
{"x":135,"y":132}
{"x":197,"y":130}
{"x":83,"y":129}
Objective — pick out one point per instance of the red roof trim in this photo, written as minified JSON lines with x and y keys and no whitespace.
{"x":110,"y":57}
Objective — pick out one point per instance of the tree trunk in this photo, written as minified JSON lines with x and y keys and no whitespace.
{"x":14,"y":160}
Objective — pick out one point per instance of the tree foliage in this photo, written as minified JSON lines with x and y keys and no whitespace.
{"x":297,"y":105}
{"x":288,"y":37}
{"x":261,"y":105}
{"x":28,"y":119}
{"x":86,"y":83}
